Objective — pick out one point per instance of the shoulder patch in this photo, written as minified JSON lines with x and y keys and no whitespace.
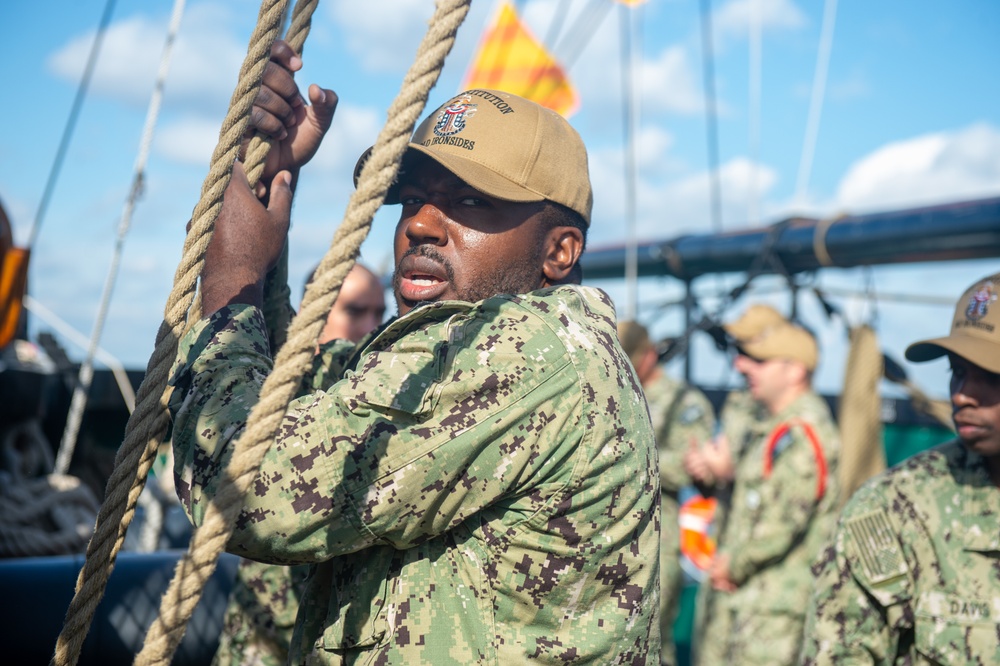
{"x":691,"y":414}
{"x":783,"y":443}
{"x":876,"y":547}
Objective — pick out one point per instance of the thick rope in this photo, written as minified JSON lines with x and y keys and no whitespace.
{"x":279,"y":389}
{"x":260,"y":145}
{"x":86,"y":375}
{"x":859,"y":413}
{"x":148,"y":424}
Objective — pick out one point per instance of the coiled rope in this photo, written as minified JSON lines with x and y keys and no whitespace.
{"x":150,"y":417}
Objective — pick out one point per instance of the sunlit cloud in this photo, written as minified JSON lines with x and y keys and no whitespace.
{"x":935,"y":167}
{"x":382,"y":36}
{"x":203,"y":69}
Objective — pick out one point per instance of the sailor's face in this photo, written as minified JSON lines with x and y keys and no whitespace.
{"x":358,"y":310}
{"x":766,"y":379}
{"x":456,"y":243}
{"x":975,"y":402}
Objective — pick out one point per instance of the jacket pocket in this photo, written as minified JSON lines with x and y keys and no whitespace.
{"x":356,"y":617}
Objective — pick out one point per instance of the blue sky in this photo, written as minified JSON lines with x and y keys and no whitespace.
{"x":911,"y":116}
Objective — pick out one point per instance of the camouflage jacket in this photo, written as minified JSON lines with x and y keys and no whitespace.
{"x":264,"y":602}
{"x":914,"y":575}
{"x":776,"y":524}
{"x":679,"y":413}
{"x":482,"y":489}
{"x":739,"y":416}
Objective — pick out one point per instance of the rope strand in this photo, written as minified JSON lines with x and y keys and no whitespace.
{"x":148,"y":424}
{"x":279,"y":388}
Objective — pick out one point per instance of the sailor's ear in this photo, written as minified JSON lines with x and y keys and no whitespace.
{"x":563,"y":247}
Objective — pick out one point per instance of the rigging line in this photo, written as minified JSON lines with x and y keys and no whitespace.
{"x":756,"y":71}
{"x":79,"y":401}
{"x":629,"y":122}
{"x":816,"y":100}
{"x":80,"y":340}
{"x":74,"y":114}
{"x":583,"y":30}
{"x":556,"y":26}
{"x":711,"y":124}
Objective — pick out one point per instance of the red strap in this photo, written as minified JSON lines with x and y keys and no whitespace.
{"x":780,"y":432}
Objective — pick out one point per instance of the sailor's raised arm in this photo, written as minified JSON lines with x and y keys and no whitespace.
{"x":280,"y":113}
{"x":247,"y":243}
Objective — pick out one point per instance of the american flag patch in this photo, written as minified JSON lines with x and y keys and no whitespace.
{"x":876,"y":546}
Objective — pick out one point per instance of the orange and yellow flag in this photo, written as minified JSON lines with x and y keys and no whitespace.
{"x":510,"y":58}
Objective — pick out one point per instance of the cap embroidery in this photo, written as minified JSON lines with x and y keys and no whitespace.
{"x":980,"y":300}
{"x":453,"y":117}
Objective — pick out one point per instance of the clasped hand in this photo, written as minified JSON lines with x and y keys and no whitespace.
{"x":253,"y":224}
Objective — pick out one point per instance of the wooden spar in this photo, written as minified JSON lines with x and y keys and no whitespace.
{"x":947,"y":232}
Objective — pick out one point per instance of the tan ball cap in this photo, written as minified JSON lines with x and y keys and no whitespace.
{"x":785,"y":341}
{"x":757,"y":319}
{"x":975,"y":329}
{"x":507,"y":147}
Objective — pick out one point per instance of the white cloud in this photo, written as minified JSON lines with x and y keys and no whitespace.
{"x":669,"y":207}
{"x":383,"y":36}
{"x":935,"y":167}
{"x":853,"y":87}
{"x":189,"y":140}
{"x":354,"y":129}
{"x":203,"y":70}
{"x":669,"y":83}
{"x":733,"y":19}
{"x":737,"y":179}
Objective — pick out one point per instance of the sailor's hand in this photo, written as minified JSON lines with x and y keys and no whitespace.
{"x":719,"y":459}
{"x":696,"y":466}
{"x":247,"y":242}
{"x":718,"y":573}
{"x":280,"y":113}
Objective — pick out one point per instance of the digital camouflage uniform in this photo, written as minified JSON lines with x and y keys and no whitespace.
{"x":914,"y":576}
{"x":679,"y":414}
{"x":738,"y":415}
{"x":483,"y":488}
{"x":263,"y":604}
{"x":260,"y":616}
{"x":775,"y":529}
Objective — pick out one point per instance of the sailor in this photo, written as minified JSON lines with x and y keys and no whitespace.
{"x":681,"y":414}
{"x":482,"y":488}
{"x":711,"y":466}
{"x":781,"y":510}
{"x":258,"y":622}
{"x":913,"y":576}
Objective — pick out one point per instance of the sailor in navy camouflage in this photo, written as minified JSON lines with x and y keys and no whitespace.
{"x":913,"y":576}
{"x":682,"y":417}
{"x":483,"y":487}
{"x":781,"y":511}
{"x":711,"y":467}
